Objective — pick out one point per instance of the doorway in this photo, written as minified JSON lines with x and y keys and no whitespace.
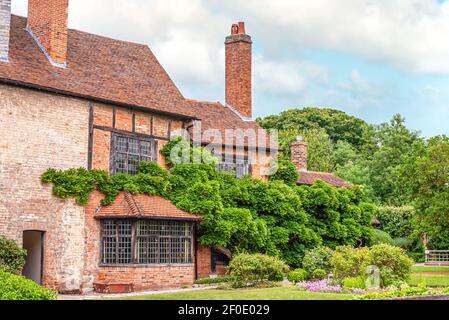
{"x":33,"y":243}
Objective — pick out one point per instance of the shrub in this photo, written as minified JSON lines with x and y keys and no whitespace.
{"x":394,"y":265}
{"x":15,"y":287}
{"x":355,"y":283}
{"x":403,"y":243}
{"x":348,"y":262}
{"x":297,"y":275}
{"x":319,"y":274}
{"x":379,"y":237}
{"x":152,"y":169}
{"x":318,"y":258}
{"x":254,"y":267}
{"x":286,"y":172}
{"x":396,"y":221}
{"x":12,"y":258}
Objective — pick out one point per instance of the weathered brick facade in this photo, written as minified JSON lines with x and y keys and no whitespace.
{"x":239,"y":70}
{"x":5,"y":24}
{"x":47,"y":21}
{"x":299,"y":154}
{"x":38,"y":131}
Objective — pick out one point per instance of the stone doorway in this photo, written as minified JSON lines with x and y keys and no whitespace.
{"x":33,"y":242}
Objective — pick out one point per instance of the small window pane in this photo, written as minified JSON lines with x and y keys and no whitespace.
{"x":133,"y":164}
{"x":145,"y":149}
{"x":122,"y":144}
{"x":133,"y":146}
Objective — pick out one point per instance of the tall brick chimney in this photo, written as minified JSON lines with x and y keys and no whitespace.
{"x":47,"y":23}
{"x":299,"y":154}
{"x":5,"y":25}
{"x":238,"y":70}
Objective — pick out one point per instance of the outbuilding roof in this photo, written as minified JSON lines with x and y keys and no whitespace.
{"x":127,"y":205}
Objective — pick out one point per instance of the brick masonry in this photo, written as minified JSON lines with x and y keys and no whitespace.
{"x":47,"y":19}
{"x":5,"y":22}
{"x":238,"y":72}
{"x":299,"y":155}
{"x":39,"y":131}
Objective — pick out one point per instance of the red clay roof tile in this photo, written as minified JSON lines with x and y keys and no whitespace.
{"x":310,"y":177}
{"x":98,"y":68}
{"x":127,"y":205}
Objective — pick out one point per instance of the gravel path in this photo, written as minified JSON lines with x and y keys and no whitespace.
{"x":94,"y":296}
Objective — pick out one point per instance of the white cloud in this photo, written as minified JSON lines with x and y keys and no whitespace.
{"x":277,"y":77}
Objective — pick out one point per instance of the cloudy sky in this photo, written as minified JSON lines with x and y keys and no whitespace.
{"x":370,"y":58}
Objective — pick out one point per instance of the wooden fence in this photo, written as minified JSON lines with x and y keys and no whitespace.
{"x":437,"y":257}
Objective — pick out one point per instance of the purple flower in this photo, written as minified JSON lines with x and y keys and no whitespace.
{"x":320,"y":286}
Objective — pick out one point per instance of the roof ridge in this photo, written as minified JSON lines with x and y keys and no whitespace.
{"x":93,"y":34}
{"x":132,"y":204}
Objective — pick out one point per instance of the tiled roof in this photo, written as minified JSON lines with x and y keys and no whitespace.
{"x":310,"y":177}
{"x":216,"y":116}
{"x":127,"y":205}
{"x":98,"y":68}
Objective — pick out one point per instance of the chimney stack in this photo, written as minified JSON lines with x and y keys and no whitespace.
{"x":5,"y":25}
{"x":47,"y":23}
{"x":299,"y":154}
{"x":239,"y":70}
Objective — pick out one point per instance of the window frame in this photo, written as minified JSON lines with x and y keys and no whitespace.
{"x":240,"y":163}
{"x":134,"y":255}
{"x":114,"y":151}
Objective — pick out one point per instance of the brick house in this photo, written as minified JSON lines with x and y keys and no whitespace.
{"x":71,"y":99}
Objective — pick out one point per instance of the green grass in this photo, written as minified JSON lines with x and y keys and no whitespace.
{"x":430,"y":276}
{"x":429,"y":281}
{"x":284,"y":293}
{"x":429,"y":269}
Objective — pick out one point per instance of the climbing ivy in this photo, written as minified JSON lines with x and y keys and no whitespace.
{"x":275,"y":217}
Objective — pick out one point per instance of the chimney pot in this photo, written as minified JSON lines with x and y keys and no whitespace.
{"x":241,"y":27}
{"x":234,"y":29}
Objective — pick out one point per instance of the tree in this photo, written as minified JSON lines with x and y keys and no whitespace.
{"x":432,"y":192}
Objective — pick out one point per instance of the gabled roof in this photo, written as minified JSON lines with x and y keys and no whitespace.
{"x":98,"y":68}
{"x":140,"y":206}
{"x":216,"y":116}
{"x":310,"y":177}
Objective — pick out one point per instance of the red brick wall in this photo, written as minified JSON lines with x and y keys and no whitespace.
{"x":238,"y":73}
{"x":106,"y":120}
{"x":48,"y":21}
{"x":299,"y":155}
{"x":203,"y":254}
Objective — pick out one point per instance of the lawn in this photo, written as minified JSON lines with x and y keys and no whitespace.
{"x":284,"y":293}
{"x":430,"y":276}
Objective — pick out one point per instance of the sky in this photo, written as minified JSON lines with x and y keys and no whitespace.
{"x":369,"y":58}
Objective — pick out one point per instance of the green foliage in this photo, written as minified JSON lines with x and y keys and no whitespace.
{"x":394,"y":265}
{"x":395,"y":292}
{"x":396,"y":221}
{"x":319,"y":274}
{"x":276,"y":218}
{"x":317,"y":258}
{"x":286,"y":172}
{"x":432,"y":193}
{"x":355,"y":283}
{"x":348,"y":262}
{"x":12,"y":257}
{"x":297,"y":275}
{"x":180,"y":151}
{"x":379,"y":237}
{"x":14,"y":287}
{"x":257,"y":267}
{"x":338,"y":125}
